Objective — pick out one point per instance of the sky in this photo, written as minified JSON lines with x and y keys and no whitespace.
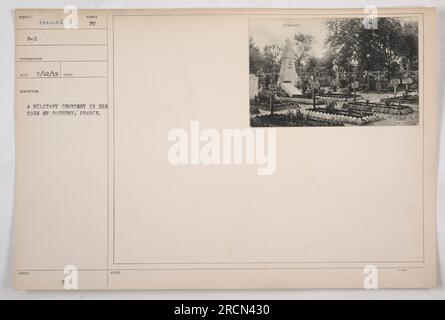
{"x":268,"y":32}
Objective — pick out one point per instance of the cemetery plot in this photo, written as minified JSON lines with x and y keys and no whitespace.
{"x":308,"y":73}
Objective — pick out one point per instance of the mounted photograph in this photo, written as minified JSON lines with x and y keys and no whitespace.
{"x":334,"y":72}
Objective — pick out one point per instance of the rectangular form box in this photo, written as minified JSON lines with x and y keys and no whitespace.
{"x":83,"y":69}
{"x":38,"y":70}
{"x":61,"y":37}
{"x":57,"y":18}
{"x":61,"y":69}
{"x":61,"y":53}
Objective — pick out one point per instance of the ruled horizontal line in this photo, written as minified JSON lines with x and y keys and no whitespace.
{"x":217,"y":269}
{"x":61,"y":61}
{"x":85,"y":77}
{"x":91,"y":29}
{"x":61,"y":45}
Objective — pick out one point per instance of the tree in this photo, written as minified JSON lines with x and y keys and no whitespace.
{"x":304,"y":45}
{"x":373,"y":49}
{"x":271,"y":58}
{"x":409,"y":46}
{"x":312,"y":64}
{"x":343,"y":38}
{"x":327,"y":59}
{"x":254,"y":58}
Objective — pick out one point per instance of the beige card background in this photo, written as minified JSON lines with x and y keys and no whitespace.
{"x":100,"y":194}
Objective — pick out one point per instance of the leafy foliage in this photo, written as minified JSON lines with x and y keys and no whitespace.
{"x":389,"y":47}
{"x":393,"y":46}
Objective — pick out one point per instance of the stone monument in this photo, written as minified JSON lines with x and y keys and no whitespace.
{"x":288,"y":77}
{"x":253,"y":86}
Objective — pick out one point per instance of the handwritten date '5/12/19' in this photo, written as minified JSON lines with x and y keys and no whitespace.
{"x":47,"y":74}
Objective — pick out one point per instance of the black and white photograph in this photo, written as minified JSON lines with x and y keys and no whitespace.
{"x":310,"y":72}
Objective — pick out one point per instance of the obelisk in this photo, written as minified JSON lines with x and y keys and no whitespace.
{"x":287,"y":71}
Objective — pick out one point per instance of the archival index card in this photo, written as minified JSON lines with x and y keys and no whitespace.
{"x":175,"y":149}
